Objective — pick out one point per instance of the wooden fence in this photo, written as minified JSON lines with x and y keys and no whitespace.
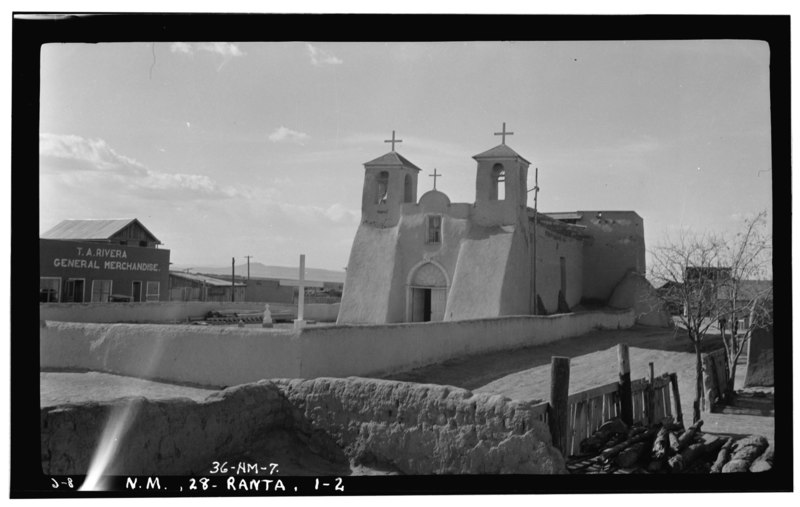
{"x":650,"y":401}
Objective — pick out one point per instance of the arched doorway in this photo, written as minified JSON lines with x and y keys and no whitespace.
{"x":427,"y":293}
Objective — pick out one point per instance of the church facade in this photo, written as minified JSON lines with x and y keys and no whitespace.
{"x":429,"y":259}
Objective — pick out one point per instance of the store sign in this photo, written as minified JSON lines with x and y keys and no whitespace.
{"x":96,"y":258}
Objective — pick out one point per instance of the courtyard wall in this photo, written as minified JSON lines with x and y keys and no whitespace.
{"x":226,"y":356}
{"x":170,"y":311}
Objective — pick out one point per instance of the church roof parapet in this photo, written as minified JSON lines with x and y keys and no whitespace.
{"x":556,"y":225}
{"x":392,"y":159}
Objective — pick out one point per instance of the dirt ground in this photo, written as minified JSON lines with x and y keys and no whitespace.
{"x":524,"y":374}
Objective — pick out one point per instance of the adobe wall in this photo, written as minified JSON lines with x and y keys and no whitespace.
{"x":225,"y":356}
{"x":162,"y":311}
{"x":425,"y":428}
{"x":616,"y":247}
{"x":414,"y":249}
{"x":171,"y":312}
{"x":165,"y":437}
{"x":479,"y":273}
{"x":550,"y":247}
{"x":370,"y":271}
{"x":760,"y":360}
{"x":411,"y":428}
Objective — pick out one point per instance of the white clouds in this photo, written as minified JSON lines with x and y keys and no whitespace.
{"x":320,"y":57}
{"x":70,"y":158}
{"x":91,"y":154}
{"x":226,"y":49}
{"x":287,"y":135}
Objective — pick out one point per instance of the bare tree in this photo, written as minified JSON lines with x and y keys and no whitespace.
{"x":745,"y":300}
{"x":707,"y":280}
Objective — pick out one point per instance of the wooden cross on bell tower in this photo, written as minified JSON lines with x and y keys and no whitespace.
{"x":504,"y":133}
{"x":393,"y":140}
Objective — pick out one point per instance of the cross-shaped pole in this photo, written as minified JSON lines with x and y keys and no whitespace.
{"x":301,"y":285}
{"x":434,"y":176}
{"x":393,"y":140}
{"x":504,"y":133}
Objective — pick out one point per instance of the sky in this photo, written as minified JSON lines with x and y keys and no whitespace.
{"x":229,"y":149}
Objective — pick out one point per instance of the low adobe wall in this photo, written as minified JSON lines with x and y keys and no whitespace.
{"x":320,"y":312}
{"x":411,"y":428}
{"x":152,"y":312}
{"x":226,"y":356}
{"x":170,"y":312}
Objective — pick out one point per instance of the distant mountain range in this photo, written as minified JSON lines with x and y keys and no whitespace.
{"x":258,"y":270}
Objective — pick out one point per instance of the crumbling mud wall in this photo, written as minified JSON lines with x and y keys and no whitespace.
{"x":425,"y":428}
{"x":399,"y":426}
{"x":168,"y":437}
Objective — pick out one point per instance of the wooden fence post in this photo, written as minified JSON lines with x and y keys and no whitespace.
{"x":673,"y":377}
{"x":625,"y":399}
{"x":559,"y":393}
{"x":651,"y":397}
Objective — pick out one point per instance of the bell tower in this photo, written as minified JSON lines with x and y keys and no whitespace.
{"x":501,"y":182}
{"x":389,"y":181}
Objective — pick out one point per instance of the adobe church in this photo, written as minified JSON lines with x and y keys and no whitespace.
{"x":430,"y":259}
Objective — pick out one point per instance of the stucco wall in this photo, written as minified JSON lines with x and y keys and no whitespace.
{"x":162,"y":311}
{"x":477,"y":284}
{"x":634,"y":291}
{"x":412,"y":428}
{"x":516,"y":293}
{"x":370,"y":272}
{"x":321,"y":312}
{"x":414,"y":250}
{"x":617,"y":246}
{"x":550,"y":247}
{"x":225,"y":356}
{"x":760,"y":359}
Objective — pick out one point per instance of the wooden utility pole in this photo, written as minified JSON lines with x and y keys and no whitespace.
{"x":233,"y":278}
{"x":535,"y":190}
{"x":248,"y":267}
{"x":625,"y":399}
{"x":559,"y":407}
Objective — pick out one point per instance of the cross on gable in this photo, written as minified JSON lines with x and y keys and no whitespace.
{"x":434,"y":176}
{"x":504,"y":133}
{"x":393,"y":140}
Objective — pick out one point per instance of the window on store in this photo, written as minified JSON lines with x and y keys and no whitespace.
{"x":49,"y":289}
{"x":153,"y":291}
{"x":101,"y":291}
{"x":73,"y":290}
